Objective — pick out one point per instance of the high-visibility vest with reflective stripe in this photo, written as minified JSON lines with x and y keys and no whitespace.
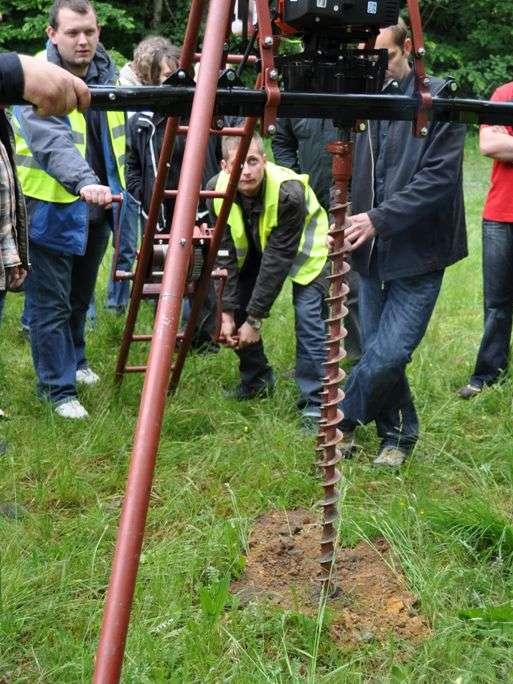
{"x":40,"y":185}
{"x":34,"y":181}
{"x":313,"y":249}
{"x":117,"y":132}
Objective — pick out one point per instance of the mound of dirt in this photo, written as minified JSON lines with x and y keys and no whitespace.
{"x":282,"y":567}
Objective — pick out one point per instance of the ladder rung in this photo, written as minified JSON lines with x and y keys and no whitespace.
{"x":206,"y":194}
{"x":124,"y":275}
{"x":230,"y":59}
{"x":140,"y":369}
{"x":148,"y":338}
{"x":228,"y":131}
{"x":151,"y":290}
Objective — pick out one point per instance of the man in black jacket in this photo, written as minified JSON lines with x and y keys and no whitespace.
{"x":408,"y":224}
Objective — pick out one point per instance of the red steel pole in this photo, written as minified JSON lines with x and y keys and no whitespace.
{"x":147,"y":434}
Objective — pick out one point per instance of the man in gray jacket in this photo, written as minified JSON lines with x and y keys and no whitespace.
{"x":68,"y":168}
{"x":407,"y":226}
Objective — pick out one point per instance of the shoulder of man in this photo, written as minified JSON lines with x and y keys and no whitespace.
{"x":503,"y":93}
{"x":292,"y":192}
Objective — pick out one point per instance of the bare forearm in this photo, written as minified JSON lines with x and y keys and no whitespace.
{"x":497,"y":143}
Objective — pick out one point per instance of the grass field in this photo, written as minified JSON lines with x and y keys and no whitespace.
{"x":447,"y":514}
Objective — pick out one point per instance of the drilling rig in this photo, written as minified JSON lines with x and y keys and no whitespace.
{"x":338,"y":75}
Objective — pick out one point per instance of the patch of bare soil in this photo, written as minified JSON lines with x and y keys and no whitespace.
{"x":373,"y":604}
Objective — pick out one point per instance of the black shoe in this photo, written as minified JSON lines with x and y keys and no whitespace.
{"x":469,"y":391}
{"x":245,"y":392}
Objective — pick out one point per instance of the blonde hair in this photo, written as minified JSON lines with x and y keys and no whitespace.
{"x":230,"y":143}
{"x":148,"y":56}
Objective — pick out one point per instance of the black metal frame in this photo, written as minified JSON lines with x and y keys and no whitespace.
{"x":245,"y":102}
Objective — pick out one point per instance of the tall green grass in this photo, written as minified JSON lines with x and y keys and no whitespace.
{"x":447,"y":513}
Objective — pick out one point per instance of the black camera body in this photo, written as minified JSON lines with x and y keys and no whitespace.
{"x":319,"y":15}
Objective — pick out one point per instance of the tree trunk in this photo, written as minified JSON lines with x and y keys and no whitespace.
{"x":157,"y":14}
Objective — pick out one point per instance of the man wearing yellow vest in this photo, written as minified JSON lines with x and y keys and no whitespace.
{"x":276,"y":228}
{"x":69,"y":167}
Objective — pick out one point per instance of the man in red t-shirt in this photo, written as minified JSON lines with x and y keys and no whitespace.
{"x":492,"y":359}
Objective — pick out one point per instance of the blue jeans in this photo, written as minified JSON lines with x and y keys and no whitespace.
{"x":58,"y":291}
{"x":493,"y":355}
{"x":393,"y":317}
{"x":310,"y":331}
{"x":255,"y":370}
{"x":118,"y":291}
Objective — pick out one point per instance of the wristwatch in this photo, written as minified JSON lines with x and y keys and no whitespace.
{"x":255,"y":323}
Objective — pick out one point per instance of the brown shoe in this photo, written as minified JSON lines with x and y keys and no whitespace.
{"x":468,"y":391}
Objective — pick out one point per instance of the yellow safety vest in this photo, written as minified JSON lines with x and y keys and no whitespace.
{"x":40,"y":185}
{"x":313,"y":249}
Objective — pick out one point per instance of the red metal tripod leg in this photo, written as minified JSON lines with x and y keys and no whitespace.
{"x":135,"y":506}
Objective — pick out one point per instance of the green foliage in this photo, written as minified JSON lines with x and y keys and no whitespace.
{"x":470,"y":41}
{"x":214,"y":598}
{"x":124,"y":23}
{"x":491,"y":617}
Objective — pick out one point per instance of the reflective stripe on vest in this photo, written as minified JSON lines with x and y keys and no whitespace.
{"x":313,"y":249}
{"x":116,"y":123}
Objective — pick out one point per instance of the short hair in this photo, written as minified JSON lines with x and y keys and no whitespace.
{"x":231,"y":143}
{"x":400,"y":32}
{"x":78,"y":6}
{"x":148,"y":56}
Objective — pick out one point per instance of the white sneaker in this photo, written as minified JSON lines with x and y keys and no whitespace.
{"x":86,"y":376}
{"x":71,"y":408}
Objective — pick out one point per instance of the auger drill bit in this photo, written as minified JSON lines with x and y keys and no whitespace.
{"x":331,"y":415}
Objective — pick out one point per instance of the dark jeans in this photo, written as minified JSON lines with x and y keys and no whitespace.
{"x":394,"y":317}
{"x":255,"y":370}
{"x":58,"y":292}
{"x":492,"y":358}
{"x":2,"y":302}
